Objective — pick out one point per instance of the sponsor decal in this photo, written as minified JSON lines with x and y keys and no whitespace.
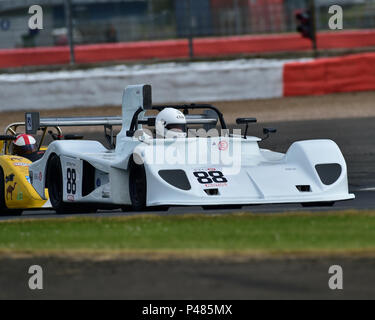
{"x":70,"y":164}
{"x":10,"y":190}
{"x":9,"y":178}
{"x":223,"y":145}
{"x":216,"y":185}
{"x":21,"y":164}
{"x":70,"y":198}
{"x":40,"y":176}
{"x":16,"y":159}
{"x":20,"y":196}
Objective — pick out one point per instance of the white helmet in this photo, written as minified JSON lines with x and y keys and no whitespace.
{"x":171,"y":123}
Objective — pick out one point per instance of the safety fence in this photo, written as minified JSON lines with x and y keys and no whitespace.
{"x":177,"y":49}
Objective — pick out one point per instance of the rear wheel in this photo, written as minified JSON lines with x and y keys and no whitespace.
{"x":4,"y":211}
{"x":318,"y":204}
{"x":138,"y":186}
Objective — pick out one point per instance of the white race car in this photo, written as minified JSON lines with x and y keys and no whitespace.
{"x":204,"y":167}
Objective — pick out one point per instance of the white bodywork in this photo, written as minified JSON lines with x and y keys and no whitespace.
{"x":262,"y":177}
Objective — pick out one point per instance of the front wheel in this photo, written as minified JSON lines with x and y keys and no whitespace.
{"x":55,"y":185}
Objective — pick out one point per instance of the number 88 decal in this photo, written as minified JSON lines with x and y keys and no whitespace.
{"x":204,"y":177}
{"x":71,"y":185}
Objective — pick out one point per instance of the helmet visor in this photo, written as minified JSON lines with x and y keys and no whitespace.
{"x":25,"y":150}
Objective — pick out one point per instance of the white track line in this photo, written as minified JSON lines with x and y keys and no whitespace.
{"x":367,"y":189}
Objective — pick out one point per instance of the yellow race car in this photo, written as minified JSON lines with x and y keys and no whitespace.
{"x":16,"y":191}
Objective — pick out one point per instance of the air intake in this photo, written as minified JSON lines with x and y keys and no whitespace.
{"x":212,"y":192}
{"x":176,"y":178}
{"x":329,"y":173}
{"x":304,"y":188}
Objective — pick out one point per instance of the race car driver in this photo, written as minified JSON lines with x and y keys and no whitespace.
{"x":170,"y":123}
{"x":26,"y":146}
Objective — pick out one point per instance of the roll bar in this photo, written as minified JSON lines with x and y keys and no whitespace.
{"x":190,"y":118}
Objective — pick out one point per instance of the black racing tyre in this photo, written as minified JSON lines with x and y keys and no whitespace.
{"x":138,"y":186}
{"x":4,"y":211}
{"x":318,"y":204}
{"x":55,"y":184}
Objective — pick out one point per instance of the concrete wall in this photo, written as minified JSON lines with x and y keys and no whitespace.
{"x":172,"y":82}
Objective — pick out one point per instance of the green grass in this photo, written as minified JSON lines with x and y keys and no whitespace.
{"x":228,"y":233}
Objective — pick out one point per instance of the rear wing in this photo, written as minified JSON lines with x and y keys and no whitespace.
{"x":33,"y":123}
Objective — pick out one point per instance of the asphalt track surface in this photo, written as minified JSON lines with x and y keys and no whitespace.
{"x":286,"y":278}
{"x":355,"y":137}
{"x":188,"y":279}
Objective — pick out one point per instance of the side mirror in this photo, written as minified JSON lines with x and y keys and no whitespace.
{"x":147,"y":97}
{"x":246,"y":121}
{"x":267,"y":132}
